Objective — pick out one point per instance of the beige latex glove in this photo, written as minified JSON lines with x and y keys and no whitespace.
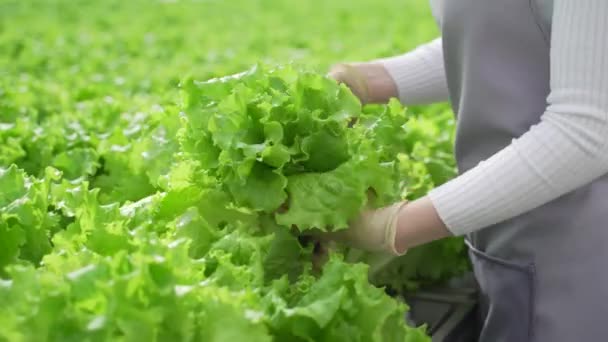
{"x":374,"y":230}
{"x":370,"y":82}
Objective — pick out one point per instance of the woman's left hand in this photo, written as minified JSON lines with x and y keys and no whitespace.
{"x":374,"y":230}
{"x":393,"y":229}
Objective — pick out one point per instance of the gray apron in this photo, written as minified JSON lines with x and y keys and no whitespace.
{"x":543,"y":276}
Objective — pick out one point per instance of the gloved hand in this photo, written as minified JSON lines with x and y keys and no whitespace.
{"x":370,"y":82}
{"x":374,"y":230}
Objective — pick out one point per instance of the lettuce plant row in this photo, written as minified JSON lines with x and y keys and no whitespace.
{"x":137,"y":210}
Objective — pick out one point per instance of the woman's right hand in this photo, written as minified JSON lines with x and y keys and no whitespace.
{"x":370,"y":82}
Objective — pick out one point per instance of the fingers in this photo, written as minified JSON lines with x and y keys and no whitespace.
{"x":336,"y":72}
{"x":353,"y":78}
{"x":340,"y":71}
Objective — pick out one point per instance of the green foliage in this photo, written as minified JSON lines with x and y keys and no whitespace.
{"x":152,"y":269}
{"x":138,"y":203}
{"x":282,"y":137}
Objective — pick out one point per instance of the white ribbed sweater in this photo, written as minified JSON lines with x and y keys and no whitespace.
{"x":567,"y":149}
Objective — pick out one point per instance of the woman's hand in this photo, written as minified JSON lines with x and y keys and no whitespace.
{"x":419,"y":223}
{"x":373,"y":230}
{"x":393,"y":229}
{"x":370,"y":82}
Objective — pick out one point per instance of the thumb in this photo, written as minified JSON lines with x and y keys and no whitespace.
{"x":353,"y":78}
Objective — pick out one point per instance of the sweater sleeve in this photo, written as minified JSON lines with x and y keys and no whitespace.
{"x":567,"y":149}
{"x":419,"y":74}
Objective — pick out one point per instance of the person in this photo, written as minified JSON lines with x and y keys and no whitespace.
{"x":528,"y":82}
